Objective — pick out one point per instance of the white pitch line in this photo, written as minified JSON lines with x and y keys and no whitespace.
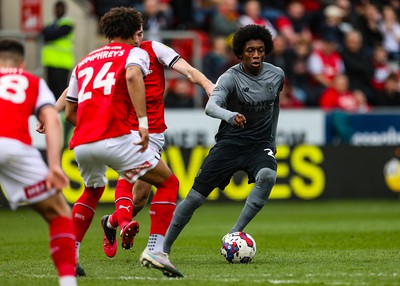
{"x":268,"y":277}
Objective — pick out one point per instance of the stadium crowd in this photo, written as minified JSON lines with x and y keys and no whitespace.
{"x":336,"y":53}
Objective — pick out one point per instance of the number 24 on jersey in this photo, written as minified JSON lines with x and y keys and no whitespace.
{"x":103,"y":79}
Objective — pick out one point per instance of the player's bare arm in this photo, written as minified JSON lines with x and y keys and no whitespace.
{"x":194,"y":75}
{"x":70,"y":112}
{"x":61,"y":101}
{"x":136,"y":89}
{"x":56,"y":177}
{"x":60,"y":105}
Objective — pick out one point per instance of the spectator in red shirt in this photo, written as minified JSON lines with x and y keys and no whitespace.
{"x":288,"y":99}
{"x":285,"y":29}
{"x":339,"y":96}
{"x":381,"y":68}
{"x":323,"y":65}
{"x":252,"y":15}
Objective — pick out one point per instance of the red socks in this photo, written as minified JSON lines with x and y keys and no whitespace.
{"x":163,"y":205}
{"x":62,"y":246}
{"x":161,"y":209}
{"x":84,"y":209}
{"x":123,"y":204}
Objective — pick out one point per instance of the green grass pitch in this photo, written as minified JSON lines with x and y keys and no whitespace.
{"x":298,"y":243}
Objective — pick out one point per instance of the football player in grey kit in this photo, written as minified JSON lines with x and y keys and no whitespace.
{"x":246,"y":99}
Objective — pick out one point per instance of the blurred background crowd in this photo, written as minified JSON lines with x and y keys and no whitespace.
{"x":336,"y":54}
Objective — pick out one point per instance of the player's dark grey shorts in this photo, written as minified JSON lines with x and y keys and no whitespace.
{"x":225,"y":159}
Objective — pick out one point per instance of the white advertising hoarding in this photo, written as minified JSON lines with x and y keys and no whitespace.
{"x":188,"y":128}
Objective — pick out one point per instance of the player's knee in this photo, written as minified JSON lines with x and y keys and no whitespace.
{"x":265,"y":180}
{"x":266,"y":176}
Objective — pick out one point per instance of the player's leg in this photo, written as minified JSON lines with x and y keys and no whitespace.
{"x":141,"y":194}
{"x":215,"y":171}
{"x":22,"y":174}
{"x":124,"y":205}
{"x":141,"y":191}
{"x":89,"y":158}
{"x":161,"y":210}
{"x":262,"y":171}
{"x":257,"y":198}
{"x":57,"y":213}
{"x":83,"y":212}
{"x":127,"y":207}
{"x":147,"y":166}
{"x":122,"y":216}
{"x":183,"y":213}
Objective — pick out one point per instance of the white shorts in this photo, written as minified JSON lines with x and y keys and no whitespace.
{"x":23,"y":173}
{"x":156,"y":141}
{"x":120,"y":154}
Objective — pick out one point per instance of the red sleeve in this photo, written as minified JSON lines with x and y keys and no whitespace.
{"x":329,"y":99}
{"x":282,"y":22}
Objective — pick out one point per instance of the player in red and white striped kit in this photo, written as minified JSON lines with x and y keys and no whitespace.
{"x":23,"y":173}
{"x":103,"y":87}
{"x":126,"y":207}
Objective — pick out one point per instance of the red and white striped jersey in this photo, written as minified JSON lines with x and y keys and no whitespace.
{"x":160,"y":56}
{"x":21,"y":95}
{"x":98,"y":85}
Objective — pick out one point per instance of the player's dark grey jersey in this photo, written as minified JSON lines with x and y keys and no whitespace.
{"x":256,"y":97}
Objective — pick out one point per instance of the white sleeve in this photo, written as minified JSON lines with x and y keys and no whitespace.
{"x":139,"y":57}
{"x":72,"y":94}
{"x":271,"y":28}
{"x":245,"y":20}
{"x":342,"y":67}
{"x":314,"y":65}
{"x":165,"y":55}
{"x":46,"y":96}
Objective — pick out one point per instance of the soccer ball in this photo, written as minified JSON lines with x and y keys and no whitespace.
{"x":238,"y":247}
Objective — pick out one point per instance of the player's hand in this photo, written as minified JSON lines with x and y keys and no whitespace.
{"x":144,"y":135}
{"x":56,"y":179}
{"x":40,"y":128}
{"x":240,"y":120}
